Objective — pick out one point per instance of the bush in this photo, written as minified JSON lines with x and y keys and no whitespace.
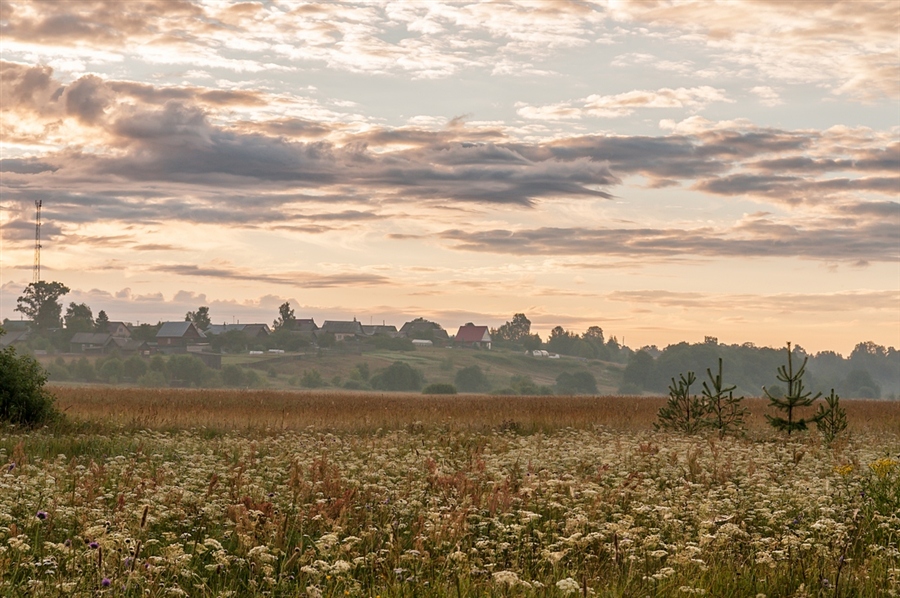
{"x":389,"y":343}
{"x":152,"y":379}
{"x":23,"y":399}
{"x":472,"y":379}
{"x":356,"y":385}
{"x":441,"y":388}
{"x":186,"y":370}
{"x":83,"y":370}
{"x":111,"y":371}
{"x":134,"y":367}
{"x":578,"y":383}
{"x":57,"y":373}
{"x":311,"y":379}
{"x":397,"y":376}
{"x":233,"y":376}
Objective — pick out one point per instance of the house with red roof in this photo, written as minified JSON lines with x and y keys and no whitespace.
{"x":471,"y":335}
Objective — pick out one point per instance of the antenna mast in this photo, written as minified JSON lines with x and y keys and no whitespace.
{"x":37,"y":240}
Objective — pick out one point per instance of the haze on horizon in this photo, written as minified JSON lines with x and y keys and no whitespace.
{"x":665,"y":170}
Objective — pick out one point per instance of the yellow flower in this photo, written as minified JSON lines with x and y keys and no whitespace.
{"x":843,"y":470}
{"x":882,"y":467}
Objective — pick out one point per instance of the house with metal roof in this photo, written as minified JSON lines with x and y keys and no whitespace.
{"x":178,"y":335}
{"x":471,"y":335}
{"x":342,"y":330}
{"x":91,"y":342}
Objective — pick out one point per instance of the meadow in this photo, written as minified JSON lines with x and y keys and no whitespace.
{"x":147,"y":492}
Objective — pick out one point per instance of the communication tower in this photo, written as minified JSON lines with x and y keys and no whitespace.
{"x":37,"y":240}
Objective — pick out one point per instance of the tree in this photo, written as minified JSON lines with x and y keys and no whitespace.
{"x":79,"y":318}
{"x":397,"y":376}
{"x":200,"y":318}
{"x":285,"y":316}
{"x":794,"y":397}
{"x":726,"y":413}
{"x":516,"y":330}
{"x":40,"y":302}
{"x":471,"y":379}
{"x":577,"y":383}
{"x":23,"y":399}
{"x":831,"y":418}
{"x":101,"y":324}
{"x":682,"y":412}
{"x":639,"y":372}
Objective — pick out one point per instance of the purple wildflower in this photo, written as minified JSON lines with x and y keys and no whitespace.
{"x":94,"y":545}
{"x":106,"y":582}
{"x":41,"y":515}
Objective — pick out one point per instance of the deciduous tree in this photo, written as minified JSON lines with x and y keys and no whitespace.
{"x":40,"y":302}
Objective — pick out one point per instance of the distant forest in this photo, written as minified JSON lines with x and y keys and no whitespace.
{"x":871,"y":371}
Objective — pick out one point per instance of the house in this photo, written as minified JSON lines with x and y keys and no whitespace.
{"x":14,"y":337}
{"x":131,"y":346}
{"x":471,"y":335}
{"x":118,"y":329}
{"x":382,"y":329}
{"x":178,"y":335}
{"x":91,"y":342}
{"x":341,"y":330}
{"x":251,"y":331}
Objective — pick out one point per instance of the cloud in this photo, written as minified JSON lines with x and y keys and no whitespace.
{"x":624,"y":104}
{"x":307,"y":280}
{"x":845,"y":301}
{"x":830,"y":240}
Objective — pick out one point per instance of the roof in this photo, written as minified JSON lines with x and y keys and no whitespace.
{"x":380,"y":329}
{"x":339,"y":327}
{"x":113,"y":327}
{"x":177,"y":330}
{"x":217,"y":329}
{"x":257,"y":329}
{"x":14,"y":336}
{"x":472,"y":334}
{"x":91,"y":338}
{"x":129,"y":344}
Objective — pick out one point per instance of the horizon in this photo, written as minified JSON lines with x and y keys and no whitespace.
{"x":664,"y":171}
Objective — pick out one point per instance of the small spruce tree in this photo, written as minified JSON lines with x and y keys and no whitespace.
{"x":831,"y":418}
{"x":794,"y":398}
{"x":683,"y":412}
{"x":726,"y":413}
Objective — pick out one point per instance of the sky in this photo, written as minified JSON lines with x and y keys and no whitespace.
{"x":664,"y":170}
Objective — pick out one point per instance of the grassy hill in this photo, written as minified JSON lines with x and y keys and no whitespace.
{"x":436,"y":363}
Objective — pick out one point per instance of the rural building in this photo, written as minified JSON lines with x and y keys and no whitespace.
{"x":14,"y":337}
{"x":91,"y":342}
{"x":178,"y":335}
{"x":471,"y":335}
{"x":118,"y":329}
{"x":386,"y":330}
{"x":251,"y":331}
{"x":342,"y":330}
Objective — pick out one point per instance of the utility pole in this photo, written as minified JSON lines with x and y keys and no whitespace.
{"x":37,"y":241}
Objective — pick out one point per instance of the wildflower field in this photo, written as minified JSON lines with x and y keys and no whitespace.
{"x":214,"y":493}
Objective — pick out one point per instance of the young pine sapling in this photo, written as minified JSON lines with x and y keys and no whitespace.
{"x":831,"y":418}
{"x":725,"y":412}
{"x":795,"y":398}
{"x":683,"y":412}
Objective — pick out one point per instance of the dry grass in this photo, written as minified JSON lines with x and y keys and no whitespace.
{"x":359,"y":411}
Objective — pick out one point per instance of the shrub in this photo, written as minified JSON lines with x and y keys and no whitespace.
{"x":831,"y":418}
{"x":472,"y":379}
{"x":186,"y":370}
{"x":311,"y":379}
{"x":152,"y":379}
{"x":439,"y":388}
{"x":83,"y":370}
{"x":397,"y":376}
{"x":134,"y":367}
{"x":23,"y":399}
{"x":577,"y":383}
{"x":57,"y":373}
{"x":111,"y":371}
{"x":793,"y":398}
{"x":726,"y":413}
{"x":682,"y":412}
{"x":232,"y":375}
{"x":356,"y":385}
